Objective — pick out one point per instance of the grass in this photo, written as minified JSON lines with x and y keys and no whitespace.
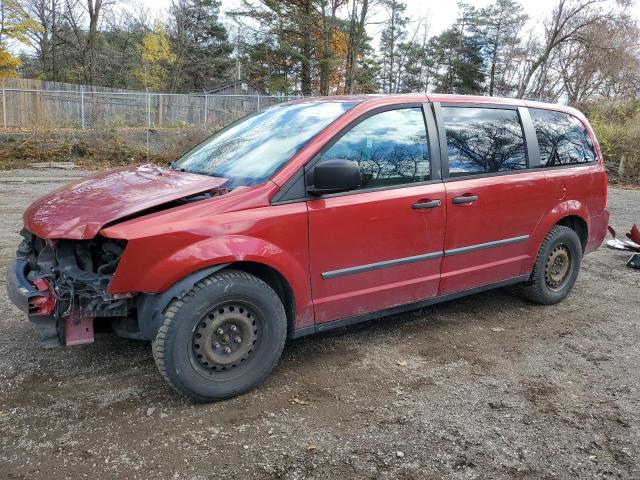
{"x":97,"y":149}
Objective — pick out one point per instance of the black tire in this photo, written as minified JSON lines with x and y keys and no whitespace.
{"x":227,"y":301}
{"x":550,"y":283}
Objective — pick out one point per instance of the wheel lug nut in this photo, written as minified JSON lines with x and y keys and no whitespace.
{"x":216,"y":345}
{"x":227,"y":350}
{"x":234,"y":328}
{"x":238,"y":340}
{"x":220,"y":331}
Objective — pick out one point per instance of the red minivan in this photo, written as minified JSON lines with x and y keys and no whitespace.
{"x":313,"y":215}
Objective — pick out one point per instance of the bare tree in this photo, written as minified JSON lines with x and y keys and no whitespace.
{"x":567,"y":23}
{"x":83,"y":21}
{"x":357,"y":22}
{"x":605,"y":62}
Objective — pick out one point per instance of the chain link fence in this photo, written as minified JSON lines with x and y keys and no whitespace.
{"x":90,"y":110}
{"x":100,"y":127}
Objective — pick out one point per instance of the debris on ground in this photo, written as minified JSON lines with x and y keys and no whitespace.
{"x":60,"y":165}
{"x":631,"y":245}
{"x":554,"y":397}
{"x":634,"y":261}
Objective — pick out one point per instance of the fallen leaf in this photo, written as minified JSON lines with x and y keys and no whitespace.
{"x":497,"y":329}
{"x":402,"y":363}
{"x":300,"y":402}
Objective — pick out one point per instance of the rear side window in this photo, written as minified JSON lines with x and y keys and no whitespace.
{"x":389,"y":147}
{"x":562,"y":138}
{"x":483,"y":140}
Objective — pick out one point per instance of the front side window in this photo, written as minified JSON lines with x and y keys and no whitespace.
{"x":562,"y":138}
{"x":389,"y":147}
{"x":250,"y":151}
{"x":483,"y":140}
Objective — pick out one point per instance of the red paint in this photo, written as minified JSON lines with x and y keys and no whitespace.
{"x":78,"y":329}
{"x":80,"y":210}
{"x":372,"y":227}
{"x":508,"y":206}
{"x":301,"y":240}
{"x":43,"y":306}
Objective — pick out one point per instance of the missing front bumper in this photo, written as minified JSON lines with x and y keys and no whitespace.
{"x":39,"y":303}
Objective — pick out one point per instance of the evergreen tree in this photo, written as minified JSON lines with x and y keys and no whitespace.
{"x":459,"y":62}
{"x":393,"y":34}
{"x":498,"y":27}
{"x":200,"y":45}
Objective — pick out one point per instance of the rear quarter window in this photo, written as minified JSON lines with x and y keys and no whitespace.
{"x":562,"y":138}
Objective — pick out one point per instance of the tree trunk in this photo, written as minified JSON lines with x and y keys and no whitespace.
{"x":305,"y":71}
{"x":92,"y":40}
{"x":494,"y":56}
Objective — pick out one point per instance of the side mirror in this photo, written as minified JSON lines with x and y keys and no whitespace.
{"x":334,"y":176}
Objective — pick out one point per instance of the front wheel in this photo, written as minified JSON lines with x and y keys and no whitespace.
{"x":556,"y":268}
{"x":222,"y":338}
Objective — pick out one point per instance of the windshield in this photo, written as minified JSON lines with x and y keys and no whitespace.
{"x":251,"y":150}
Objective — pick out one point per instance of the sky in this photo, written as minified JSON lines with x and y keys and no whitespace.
{"x":440,"y":13}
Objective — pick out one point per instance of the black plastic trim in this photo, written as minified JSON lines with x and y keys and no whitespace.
{"x":430,"y":204}
{"x":384,"y":264}
{"x":19,"y":289}
{"x":293,"y":190}
{"x":418,"y":258}
{"x":442,"y":140}
{"x":464,"y":199}
{"x":323,"y":327}
{"x":530,"y":138}
{"x":434,"y":142}
{"x":151,"y":306}
{"x":484,"y":246}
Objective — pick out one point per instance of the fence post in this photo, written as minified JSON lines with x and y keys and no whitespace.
{"x":82,"y":105}
{"x":148,"y":109}
{"x":258,"y":109}
{"x":4,"y":108}
{"x":206,"y":108}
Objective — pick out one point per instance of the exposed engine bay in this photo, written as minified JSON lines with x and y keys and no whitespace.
{"x":73,"y":277}
{"x":63,"y":284}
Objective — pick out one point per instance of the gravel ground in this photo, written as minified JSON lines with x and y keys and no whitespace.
{"x":485,"y":387}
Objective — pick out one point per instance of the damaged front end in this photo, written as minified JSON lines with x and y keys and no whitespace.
{"x":62,"y":286}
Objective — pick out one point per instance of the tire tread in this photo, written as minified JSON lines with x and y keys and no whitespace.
{"x":533,"y":288}
{"x":158,"y":345}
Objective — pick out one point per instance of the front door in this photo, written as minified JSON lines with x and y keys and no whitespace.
{"x":380,"y":245}
{"x":494,"y":201}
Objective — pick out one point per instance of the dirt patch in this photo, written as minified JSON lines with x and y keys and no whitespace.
{"x":487,"y":386}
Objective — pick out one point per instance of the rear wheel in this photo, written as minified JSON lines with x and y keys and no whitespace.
{"x":556,"y":268}
{"x":222,"y":338}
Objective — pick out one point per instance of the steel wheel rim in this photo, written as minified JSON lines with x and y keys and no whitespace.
{"x":225,"y":337}
{"x":558,"y":267}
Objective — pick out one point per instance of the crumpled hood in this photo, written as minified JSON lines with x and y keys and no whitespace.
{"x":80,"y":210}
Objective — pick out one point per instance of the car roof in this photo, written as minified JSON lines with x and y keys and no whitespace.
{"x":375,"y":100}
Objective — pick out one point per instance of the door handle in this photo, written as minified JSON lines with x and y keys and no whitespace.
{"x":465,"y":199}
{"x":427,"y":204}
